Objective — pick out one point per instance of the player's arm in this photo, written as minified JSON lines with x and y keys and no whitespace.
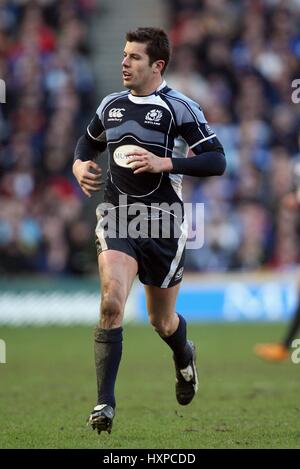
{"x":209,"y":157}
{"x":86,"y":171}
{"x":208,"y":160}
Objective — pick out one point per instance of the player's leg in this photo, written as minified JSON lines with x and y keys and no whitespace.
{"x":117,"y":271}
{"x":171,"y":327}
{"x":280,"y":351}
{"x":293,"y":328}
{"x":161,"y":304}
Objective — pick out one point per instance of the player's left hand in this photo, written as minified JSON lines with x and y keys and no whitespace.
{"x":143,"y":161}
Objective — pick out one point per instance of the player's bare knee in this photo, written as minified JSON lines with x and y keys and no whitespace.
{"x":162,"y":326}
{"x":111,"y":310}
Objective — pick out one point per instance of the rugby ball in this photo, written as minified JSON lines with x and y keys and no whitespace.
{"x":120,"y":156}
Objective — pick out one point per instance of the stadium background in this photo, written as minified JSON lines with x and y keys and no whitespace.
{"x":238,"y":59}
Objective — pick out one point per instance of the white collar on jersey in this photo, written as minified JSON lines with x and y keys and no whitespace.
{"x":144,"y":99}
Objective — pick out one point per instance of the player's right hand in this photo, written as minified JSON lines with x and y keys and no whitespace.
{"x":88,"y":175}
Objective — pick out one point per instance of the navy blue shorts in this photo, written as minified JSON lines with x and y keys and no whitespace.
{"x":154,"y":238}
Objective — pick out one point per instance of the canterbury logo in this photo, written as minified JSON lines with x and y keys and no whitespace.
{"x":116,"y":113}
{"x":179,"y":273}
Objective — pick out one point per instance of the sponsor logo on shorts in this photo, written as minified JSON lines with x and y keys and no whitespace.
{"x":178,"y":275}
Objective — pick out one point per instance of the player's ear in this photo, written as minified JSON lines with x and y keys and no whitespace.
{"x":159,"y":65}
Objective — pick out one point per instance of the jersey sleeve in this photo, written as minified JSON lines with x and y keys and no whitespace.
{"x":95,"y":131}
{"x":209,"y":158}
{"x":193,"y":127}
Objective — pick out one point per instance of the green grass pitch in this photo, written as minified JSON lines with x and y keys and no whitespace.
{"x":47,"y":389}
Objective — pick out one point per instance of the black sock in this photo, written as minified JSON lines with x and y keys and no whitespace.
{"x":108,"y":352}
{"x":293,"y":328}
{"x":178,"y":343}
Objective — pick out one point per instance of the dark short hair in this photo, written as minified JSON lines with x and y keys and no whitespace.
{"x":158,"y":45}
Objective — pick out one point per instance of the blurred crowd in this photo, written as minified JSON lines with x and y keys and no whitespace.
{"x":238,"y":59}
{"x":44,"y":61}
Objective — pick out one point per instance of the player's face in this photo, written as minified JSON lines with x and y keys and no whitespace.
{"x":138,"y":75}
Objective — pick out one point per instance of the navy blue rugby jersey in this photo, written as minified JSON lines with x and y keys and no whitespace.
{"x":165,"y":123}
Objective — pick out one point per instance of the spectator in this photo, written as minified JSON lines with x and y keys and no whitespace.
{"x":237,"y":59}
{"x":243,"y":57}
{"x":43,"y":59}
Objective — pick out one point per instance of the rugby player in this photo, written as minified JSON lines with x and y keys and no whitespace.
{"x":140,"y":126}
{"x":280,"y":351}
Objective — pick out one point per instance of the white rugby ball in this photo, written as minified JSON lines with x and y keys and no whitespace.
{"x":120,"y":157}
